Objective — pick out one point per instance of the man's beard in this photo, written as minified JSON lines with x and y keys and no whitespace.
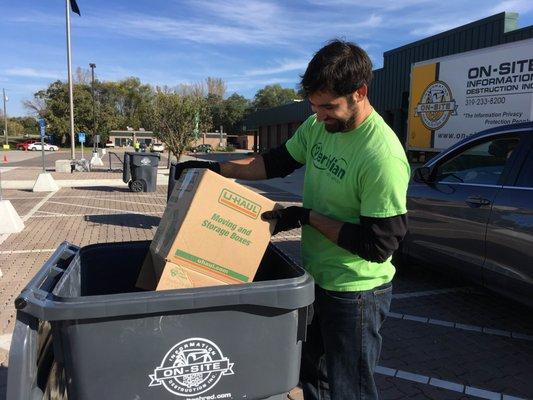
{"x":341,"y":125}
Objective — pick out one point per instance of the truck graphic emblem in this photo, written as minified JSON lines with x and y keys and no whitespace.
{"x":191,"y":367}
{"x":436,"y":105}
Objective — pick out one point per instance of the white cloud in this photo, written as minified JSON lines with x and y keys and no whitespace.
{"x":519,"y":6}
{"x":33,"y":73}
{"x":384,"y":5}
{"x":253,"y":83}
{"x":283,"y":66}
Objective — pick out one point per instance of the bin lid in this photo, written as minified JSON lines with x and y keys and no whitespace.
{"x":144,"y":159}
{"x":38,"y":298}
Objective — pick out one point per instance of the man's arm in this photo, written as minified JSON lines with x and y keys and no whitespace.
{"x":374,"y":239}
{"x":252,"y":168}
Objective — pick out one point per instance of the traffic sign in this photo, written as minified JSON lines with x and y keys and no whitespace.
{"x":81,"y":137}
{"x":42,"y":127}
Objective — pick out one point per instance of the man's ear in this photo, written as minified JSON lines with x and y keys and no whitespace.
{"x":361,"y":93}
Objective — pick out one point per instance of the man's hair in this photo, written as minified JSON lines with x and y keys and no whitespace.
{"x":340,"y":68}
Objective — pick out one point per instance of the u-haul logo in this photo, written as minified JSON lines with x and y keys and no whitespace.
{"x":239,"y":203}
{"x":436,"y":105}
{"x":191,"y":367}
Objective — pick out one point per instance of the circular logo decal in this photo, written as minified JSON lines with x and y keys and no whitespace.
{"x":191,"y":367}
{"x":436,"y":105}
{"x":145,"y":161}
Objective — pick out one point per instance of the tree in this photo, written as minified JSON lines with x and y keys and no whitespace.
{"x":174,"y":115}
{"x":29,"y":125}
{"x":236,"y":107}
{"x":14,"y":126}
{"x":132,"y":101}
{"x":216,"y":87}
{"x":273,"y":96}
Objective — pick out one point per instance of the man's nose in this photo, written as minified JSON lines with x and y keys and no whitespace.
{"x":320,"y":115}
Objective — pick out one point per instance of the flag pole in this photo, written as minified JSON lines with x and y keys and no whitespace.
{"x":70,"y":90}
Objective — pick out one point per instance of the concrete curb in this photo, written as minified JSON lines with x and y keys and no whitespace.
{"x":162,"y":180}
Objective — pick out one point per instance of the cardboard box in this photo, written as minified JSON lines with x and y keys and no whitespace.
{"x":211,"y":233}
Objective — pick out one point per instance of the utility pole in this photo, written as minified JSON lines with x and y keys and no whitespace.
{"x":70,"y":89}
{"x":93,"y":66}
{"x":5,"y":115}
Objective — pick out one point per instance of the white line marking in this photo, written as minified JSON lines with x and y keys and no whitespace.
{"x":464,"y":327}
{"x":119,"y":201}
{"x":97,"y":208}
{"x":25,"y":198}
{"x":46,"y":212}
{"x":110,"y":195}
{"x":27,"y":251}
{"x":4,"y":237}
{"x":443,"y":384}
{"x":85,"y":215}
{"x":39,"y":205}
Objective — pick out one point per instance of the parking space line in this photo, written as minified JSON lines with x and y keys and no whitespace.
{"x":431,"y":292}
{"x":53,"y":215}
{"x":107,"y":196}
{"x":4,"y":236}
{"x":47,"y":212}
{"x":27,"y":251}
{"x":97,"y":208}
{"x":37,"y":206}
{"x":444,"y":384}
{"x":464,"y":327}
{"x":24,"y":198}
{"x":119,"y":201}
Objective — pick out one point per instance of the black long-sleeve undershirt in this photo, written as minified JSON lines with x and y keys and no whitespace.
{"x":373,"y":239}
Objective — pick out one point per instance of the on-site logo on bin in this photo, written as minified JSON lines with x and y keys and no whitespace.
{"x":191,"y":367}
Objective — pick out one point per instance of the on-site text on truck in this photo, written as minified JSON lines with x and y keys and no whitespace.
{"x":456,"y":96}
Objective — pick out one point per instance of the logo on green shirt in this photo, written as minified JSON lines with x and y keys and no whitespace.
{"x":336,"y":166}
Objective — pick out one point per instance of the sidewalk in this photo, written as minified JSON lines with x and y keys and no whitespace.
{"x":24,"y":178}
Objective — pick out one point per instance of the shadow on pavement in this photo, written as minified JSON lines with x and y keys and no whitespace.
{"x":103,"y":189}
{"x":130,"y":220}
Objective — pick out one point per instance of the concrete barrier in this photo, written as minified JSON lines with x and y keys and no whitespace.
{"x":63,"y":166}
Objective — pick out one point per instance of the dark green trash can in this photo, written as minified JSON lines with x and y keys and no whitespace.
{"x":81,"y":315}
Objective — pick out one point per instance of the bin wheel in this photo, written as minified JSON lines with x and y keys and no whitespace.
{"x":136,"y":186}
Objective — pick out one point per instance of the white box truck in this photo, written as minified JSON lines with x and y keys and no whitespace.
{"x":456,"y":96}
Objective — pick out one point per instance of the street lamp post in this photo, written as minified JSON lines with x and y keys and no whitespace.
{"x":93,"y":66}
{"x":5,"y":115}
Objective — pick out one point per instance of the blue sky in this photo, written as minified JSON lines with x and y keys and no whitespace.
{"x":248,"y":43}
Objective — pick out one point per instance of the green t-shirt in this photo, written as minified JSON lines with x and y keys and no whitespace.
{"x":349,"y":174}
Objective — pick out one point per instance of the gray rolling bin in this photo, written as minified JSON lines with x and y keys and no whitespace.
{"x":84,"y":332}
{"x":139,"y":171}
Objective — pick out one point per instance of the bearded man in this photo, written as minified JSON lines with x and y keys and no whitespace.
{"x":353,"y":218}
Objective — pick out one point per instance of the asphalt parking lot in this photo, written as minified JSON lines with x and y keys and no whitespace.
{"x":444,"y":338}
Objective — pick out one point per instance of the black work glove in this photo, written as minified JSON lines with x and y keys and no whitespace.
{"x":288,"y":218}
{"x":180,"y":167}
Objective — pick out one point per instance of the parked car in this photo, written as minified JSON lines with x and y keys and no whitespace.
{"x":110,"y":144}
{"x":47,"y":147}
{"x":24,"y":145}
{"x":471,"y":210}
{"x":202,"y":148}
{"x":158,"y":147}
